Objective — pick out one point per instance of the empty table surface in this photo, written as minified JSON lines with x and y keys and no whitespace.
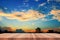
{"x":29,"y":36}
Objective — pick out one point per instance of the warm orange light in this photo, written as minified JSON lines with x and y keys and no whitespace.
{"x":45,"y":30}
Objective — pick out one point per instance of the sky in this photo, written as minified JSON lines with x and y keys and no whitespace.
{"x":30,"y":14}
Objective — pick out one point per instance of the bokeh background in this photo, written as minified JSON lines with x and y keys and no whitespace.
{"x":30,"y":14}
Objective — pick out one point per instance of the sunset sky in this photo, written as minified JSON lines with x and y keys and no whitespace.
{"x":30,"y":14}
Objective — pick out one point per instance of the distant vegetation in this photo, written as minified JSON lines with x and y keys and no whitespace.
{"x":37,"y":30}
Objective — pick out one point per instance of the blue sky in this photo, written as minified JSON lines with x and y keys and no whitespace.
{"x":29,"y":14}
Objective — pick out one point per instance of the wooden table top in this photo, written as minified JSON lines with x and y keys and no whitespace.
{"x":29,"y":36}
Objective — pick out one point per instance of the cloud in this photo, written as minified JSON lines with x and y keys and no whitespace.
{"x":23,"y":16}
{"x":5,"y":8}
{"x":31,"y":15}
{"x":48,"y":1}
{"x":42,"y":4}
{"x":57,"y":0}
{"x":26,"y":0}
{"x":53,"y":0}
{"x":33,"y":24}
{"x":36,"y":0}
{"x":56,"y":14}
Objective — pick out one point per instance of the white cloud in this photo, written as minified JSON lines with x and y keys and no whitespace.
{"x":24,"y":16}
{"x":31,"y":15}
{"x":56,"y":14}
{"x":57,"y":0}
{"x":5,"y":8}
{"x":53,"y":0}
{"x":45,"y":19}
{"x":48,"y":1}
{"x":36,"y":0}
{"x":42,"y":4}
{"x":26,"y":0}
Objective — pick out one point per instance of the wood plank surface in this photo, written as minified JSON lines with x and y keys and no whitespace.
{"x":29,"y":36}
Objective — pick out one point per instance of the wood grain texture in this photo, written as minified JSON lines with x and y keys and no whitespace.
{"x":29,"y":36}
